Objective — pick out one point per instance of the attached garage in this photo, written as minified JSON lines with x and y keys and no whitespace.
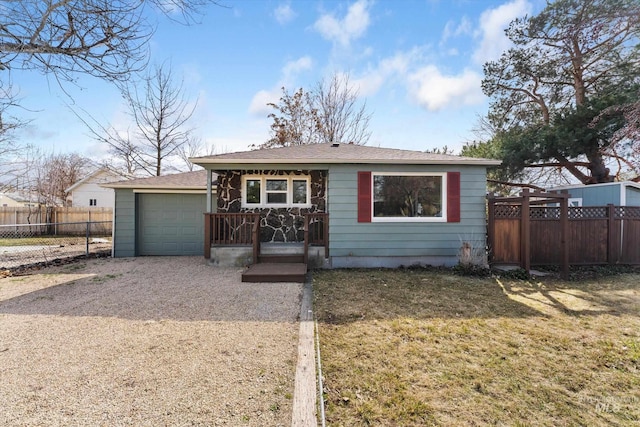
{"x":170,"y":224}
{"x":161,"y":216}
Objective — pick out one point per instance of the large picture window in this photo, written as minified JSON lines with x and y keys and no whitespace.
{"x":276,"y":191}
{"x":409,"y":197}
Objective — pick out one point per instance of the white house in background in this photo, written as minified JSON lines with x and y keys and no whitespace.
{"x":88,"y":191}
{"x":14,"y":200}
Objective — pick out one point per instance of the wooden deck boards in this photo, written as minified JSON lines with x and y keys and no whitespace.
{"x":276,"y":272}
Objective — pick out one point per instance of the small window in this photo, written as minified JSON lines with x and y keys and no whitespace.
{"x":93,"y":202}
{"x":300,"y":192}
{"x":575,"y":202}
{"x":281,"y":191}
{"x":252,"y":191}
{"x":276,"y":191}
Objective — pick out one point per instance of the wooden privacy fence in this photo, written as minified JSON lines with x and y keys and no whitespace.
{"x":526,"y":231}
{"x":43,"y":214}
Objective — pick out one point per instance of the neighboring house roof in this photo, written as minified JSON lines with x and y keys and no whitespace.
{"x":114,"y":176}
{"x":602,"y":184}
{"x":21,"y":198}
{"x":328,"y":153}
{"x":196,"y":180}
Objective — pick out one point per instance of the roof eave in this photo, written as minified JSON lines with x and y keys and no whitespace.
{"x":239,"y":162}
{"x":158,"y":187}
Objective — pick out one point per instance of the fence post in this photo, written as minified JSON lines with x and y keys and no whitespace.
{"x":88,"y":226}
{"x":610,"y":233}
{"x":564,"y":236}
{"x":491,"y":225}
{"x":525,"y":232}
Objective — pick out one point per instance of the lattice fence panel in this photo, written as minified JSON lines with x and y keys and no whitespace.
{"x":507,"y":211}
{"x":544,"y":212}
{"x":588,"y":212}
{"x":627,"y":212}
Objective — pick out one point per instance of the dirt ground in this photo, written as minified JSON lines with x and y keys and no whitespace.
{"x":146,"y":342}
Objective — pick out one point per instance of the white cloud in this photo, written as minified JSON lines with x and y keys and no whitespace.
{"x":284,"y":14}
{"x":371,"y":81}
{"x":435,"y":91}
{"x":352,"y":26}
{"x":451,"y":30}
{"x":260,"y":100}
{"x":258,"y":105}
{"x":293,"y":67}
{"x":493,"y":22}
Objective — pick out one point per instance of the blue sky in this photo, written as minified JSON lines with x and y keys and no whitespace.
{"x":418,"y":65}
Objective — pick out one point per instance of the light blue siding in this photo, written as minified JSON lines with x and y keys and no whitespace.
{"x":609,"y":193}
{"x":633,"y":196}
{"x":173,"y":225}
{"x":124,"y":228}
{"x":434,"y":242}
{"x":597,"y":195}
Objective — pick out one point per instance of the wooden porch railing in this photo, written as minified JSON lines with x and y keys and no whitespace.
{"x":256,"y":240}
{"x":316,"y":233}
{"x":244,"y":229}
{"x":230,"y":229}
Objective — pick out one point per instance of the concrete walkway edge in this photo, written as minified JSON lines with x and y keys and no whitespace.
{"x":304,"y":395}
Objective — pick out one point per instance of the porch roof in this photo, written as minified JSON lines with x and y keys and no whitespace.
{"x":328,"y":153}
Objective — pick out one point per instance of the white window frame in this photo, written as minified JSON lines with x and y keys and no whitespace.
{"x":441,"y":218}
{"x":263,"y":191}
{"x":575,"y":202}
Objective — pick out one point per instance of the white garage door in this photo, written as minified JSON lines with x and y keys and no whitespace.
{"x":170,"y":224}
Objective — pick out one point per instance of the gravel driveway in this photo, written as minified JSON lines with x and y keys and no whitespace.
{"x":146,"y":342}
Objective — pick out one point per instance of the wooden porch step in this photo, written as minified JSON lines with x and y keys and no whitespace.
{"x":281,"y":258}
{"x":276,"y":272}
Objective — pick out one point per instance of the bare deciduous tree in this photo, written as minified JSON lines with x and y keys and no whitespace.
{"x":57,"y":172}
{"x":10,"y":124}
{"x":159,"y":111}
{"x":341,"y":117}
{"x":330,"y":113}
{"x":46,"y":177}
{"x":295,"y":121}
{"x":194,"y":147}
{"x":103,"y":38}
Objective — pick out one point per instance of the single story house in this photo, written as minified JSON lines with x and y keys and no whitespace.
{"x":89,"y":192}
{"x":364,"y":206}
{"x":18,"y":200}
{"x":623,"y":193}
{"x":161,"y":215}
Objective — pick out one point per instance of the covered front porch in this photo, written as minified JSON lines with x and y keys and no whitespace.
{"x":266,"y":216}
{"x":237,"y":239}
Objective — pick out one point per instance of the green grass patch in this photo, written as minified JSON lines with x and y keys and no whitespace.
{"x":418,"y":347}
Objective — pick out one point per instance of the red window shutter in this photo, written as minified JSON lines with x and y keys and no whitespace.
{"x":364,"y":196}
{"x":453,"y":196}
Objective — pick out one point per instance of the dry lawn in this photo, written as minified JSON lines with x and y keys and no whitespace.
{"x":417,"y":347}
{"x":146,"y":342}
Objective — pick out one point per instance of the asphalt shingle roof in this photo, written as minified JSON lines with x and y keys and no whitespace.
{"x":185,"y":180}
{"x":338,"y":153}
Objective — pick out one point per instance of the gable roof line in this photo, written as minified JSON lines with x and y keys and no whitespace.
{"x":302,"y":161}
{"x":328,"y":153}
{"x":91,"y":175}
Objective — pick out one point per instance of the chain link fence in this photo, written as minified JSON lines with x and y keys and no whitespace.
{"x":23,"y":245}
